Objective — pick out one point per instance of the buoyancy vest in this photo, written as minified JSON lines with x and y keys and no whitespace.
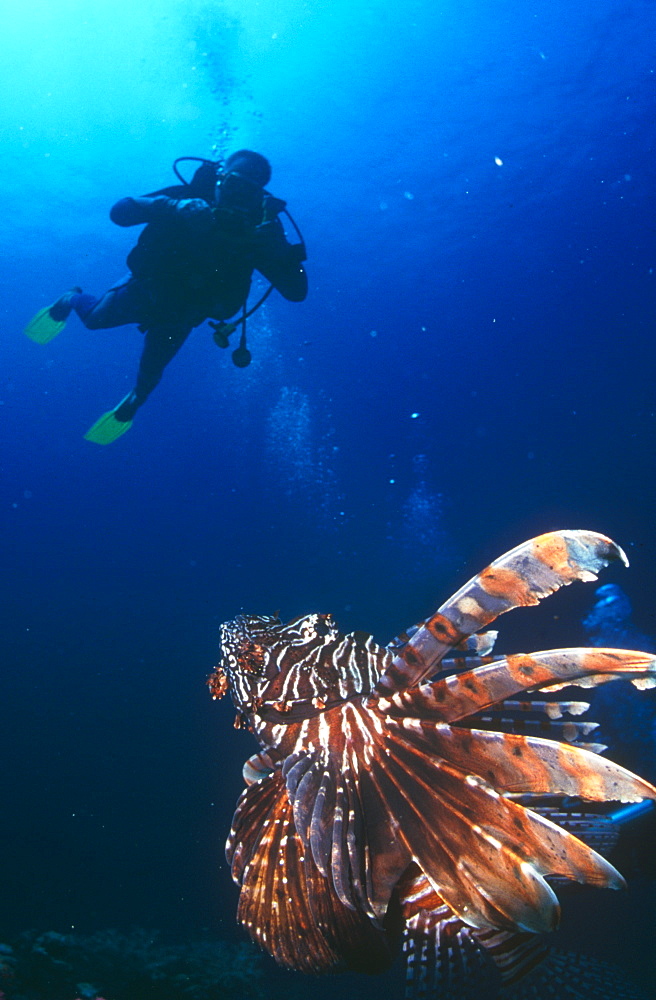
{"x":169,"y":251}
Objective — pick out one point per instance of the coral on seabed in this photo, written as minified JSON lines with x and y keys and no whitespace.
{"x":110,"y":965}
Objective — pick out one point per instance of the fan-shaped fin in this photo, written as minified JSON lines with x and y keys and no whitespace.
{"x":322,"y":822}
{"x":285,"y":904}
{"x":304,"y":798}
{"x":481,"y":878}
{"x":523,"y":764}
{"x":461,"y":825}
{"x":415,"y":789}
{"x":356,"y":862}
{"x":253,"y":807}
{"x":565,"y":730}
{"x":597,"y":830}
{"x":295,"y":767}
{"x":339,"y":854}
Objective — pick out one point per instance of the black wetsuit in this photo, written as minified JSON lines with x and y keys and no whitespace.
{"x":193,"y":262}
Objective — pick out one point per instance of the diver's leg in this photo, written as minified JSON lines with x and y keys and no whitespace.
{"x":61,"y":309}
{"x":162,"y":343}
{"x":127,"y":302}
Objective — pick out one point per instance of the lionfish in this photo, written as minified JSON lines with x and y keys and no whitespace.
{"x":400,"y":795}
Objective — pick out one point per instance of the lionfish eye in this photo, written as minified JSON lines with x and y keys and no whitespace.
{"x":324,"y":625}
{"x":315,"y":627}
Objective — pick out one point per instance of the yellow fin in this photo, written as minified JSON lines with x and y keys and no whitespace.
{"x":42,"y":327}
{"x":107,"y":428}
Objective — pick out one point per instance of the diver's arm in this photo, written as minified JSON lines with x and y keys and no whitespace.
{"x":280,"y":262}
{"x":138,"y":211}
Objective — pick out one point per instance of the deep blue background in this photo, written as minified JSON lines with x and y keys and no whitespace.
{"x":474,"y":365}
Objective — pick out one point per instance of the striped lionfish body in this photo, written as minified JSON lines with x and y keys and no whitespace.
{"x":401,"y":794}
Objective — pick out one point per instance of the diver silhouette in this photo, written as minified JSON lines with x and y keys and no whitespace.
{"x":193,"y":262}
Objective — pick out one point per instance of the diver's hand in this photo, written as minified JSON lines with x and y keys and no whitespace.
{"x":297,"y":252}
{"x":130,"y":211}
{"x":196,"y":212}
{"x":137,"y":211}
{"x":270,"y":240}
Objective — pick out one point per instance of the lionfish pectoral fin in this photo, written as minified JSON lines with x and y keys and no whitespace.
{"x":339,"y":817}
{"x":287,"y":906}
{"x":531,"y":835}
{"x":439,"y":817}
{"x":320,"y":805}
{"x":322,"y":822}
{"x":485,"y":854}
{"x":595,"y":829}
{"x":564,"y":855}
{"x":532,"y":765}
{"x":519,"y":578}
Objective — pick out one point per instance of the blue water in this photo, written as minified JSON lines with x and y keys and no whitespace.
{"x":474,"y":364}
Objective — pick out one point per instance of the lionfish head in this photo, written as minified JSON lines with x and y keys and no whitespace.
{"x":258,"y":651}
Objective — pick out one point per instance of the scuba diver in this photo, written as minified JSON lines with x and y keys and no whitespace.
{"x":193,"y":261}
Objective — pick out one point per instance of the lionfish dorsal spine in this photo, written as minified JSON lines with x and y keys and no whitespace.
{"x":519,"y":578}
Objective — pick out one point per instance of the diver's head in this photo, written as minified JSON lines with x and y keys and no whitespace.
{"x":252,"y":166}
{"x":240,"y":189}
